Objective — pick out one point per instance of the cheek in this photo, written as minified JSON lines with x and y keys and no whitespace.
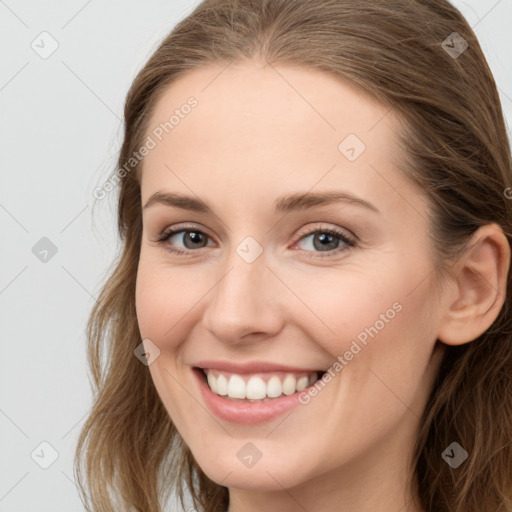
{"x":341,"y":305}
{"x":393,"y":338}
{"x":379,"y":321}
{"x":165,"y":299}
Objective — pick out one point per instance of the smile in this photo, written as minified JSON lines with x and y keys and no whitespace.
{"x":258,"y":387}
{"x":229,"y":395}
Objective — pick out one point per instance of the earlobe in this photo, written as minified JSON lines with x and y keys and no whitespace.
{"x":479,"y":287}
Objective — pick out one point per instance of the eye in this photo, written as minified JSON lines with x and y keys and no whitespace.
{"x":321,"y":240}
{"x":190,"y":239}
{"x":329,"y":241}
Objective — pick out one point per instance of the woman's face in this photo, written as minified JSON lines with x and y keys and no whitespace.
{"x":272,"y":282}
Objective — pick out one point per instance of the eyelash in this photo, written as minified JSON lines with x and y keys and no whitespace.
{"x":349,"y":242}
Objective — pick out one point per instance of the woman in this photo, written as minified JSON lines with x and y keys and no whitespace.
{"x":309,"y":311}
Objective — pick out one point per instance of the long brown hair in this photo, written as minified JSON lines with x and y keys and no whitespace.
{"x":130,"y":455}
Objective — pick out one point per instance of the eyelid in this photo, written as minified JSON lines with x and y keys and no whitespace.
{"x":182,"y":227}
{"x":323,"y":227}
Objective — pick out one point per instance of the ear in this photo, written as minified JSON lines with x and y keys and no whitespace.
{"x":479,"y":286}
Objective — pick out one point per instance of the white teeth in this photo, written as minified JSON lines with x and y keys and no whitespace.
{"x":289,"y":385}
{"x":236,"y":387}
{"x":302,"y":383}
{"x":274,"y":387}
{"x":212,"y":382}
{"x":256,"y":389}
{"x":222,"y":385}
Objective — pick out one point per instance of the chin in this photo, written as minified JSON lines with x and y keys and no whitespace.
{"x":269,"y":475}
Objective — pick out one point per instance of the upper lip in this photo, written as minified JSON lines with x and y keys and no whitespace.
{"x":251,"y":367}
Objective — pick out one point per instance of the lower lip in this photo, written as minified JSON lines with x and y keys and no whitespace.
{"x":245,"y":413}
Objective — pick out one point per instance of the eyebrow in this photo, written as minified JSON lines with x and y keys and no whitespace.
{"x":284,"y":204}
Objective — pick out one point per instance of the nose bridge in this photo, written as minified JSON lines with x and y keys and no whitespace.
{"x":244,"y":300}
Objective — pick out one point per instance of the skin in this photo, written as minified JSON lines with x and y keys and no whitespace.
{"x":257,"y":133}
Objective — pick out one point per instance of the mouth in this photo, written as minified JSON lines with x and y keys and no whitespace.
{"x":257,"y":387}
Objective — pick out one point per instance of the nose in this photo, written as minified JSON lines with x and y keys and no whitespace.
{"x":246,"y":304}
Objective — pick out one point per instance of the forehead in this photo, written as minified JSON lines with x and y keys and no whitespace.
{"x":254,"y":125}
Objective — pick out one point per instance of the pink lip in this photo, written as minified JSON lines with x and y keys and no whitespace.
{"x":244,"y":413}
{"x":254,"y":367}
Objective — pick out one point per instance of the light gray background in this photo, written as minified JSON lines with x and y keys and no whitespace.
{"x":60,"y":132}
